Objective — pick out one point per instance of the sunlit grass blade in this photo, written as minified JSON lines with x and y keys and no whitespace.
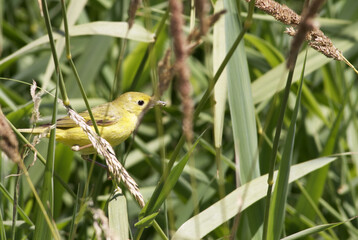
{"x":311,"y":231}
{"x":118,"y":216}
{"x":220,"y":94}
{"x":220,"y":89}
{"x":212,"y":217}
{"x":243,"y":117}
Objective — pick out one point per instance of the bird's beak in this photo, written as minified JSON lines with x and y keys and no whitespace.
{"x":160,"y":103}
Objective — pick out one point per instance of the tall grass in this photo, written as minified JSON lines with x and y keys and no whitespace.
{"x":213,"y":187}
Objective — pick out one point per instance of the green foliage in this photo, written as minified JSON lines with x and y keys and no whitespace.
{"x":213,"y":187}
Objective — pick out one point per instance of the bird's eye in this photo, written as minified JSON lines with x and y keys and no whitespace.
{"x":140,"y":102}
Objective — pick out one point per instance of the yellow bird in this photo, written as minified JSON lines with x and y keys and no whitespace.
{"x":115,"y":120}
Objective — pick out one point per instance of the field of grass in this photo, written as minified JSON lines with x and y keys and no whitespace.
{"x":246,"y":147}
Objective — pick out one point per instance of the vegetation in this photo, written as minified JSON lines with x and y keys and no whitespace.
{"x":204,"y":162}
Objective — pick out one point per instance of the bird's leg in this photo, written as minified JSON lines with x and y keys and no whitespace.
{"x":87,"y":158}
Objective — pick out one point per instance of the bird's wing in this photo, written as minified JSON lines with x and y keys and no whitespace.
{"x":104,"y":115}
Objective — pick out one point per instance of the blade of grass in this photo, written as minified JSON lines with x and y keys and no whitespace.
{"x":271,"y":54}
{"x":73,"y":226}
{"x":220,"y":91}
{"x":243,"y":120}
{"x":212,"y":217}
{"x":42,"y":159}
{"x":64,"y":157}
{"x":199,"y":109}
{"x":2,"y":227}
{"x":159,"y":197}
{"x":6,"y":195}
{"x":118,"y":216}
{"x":279,"y":196}
{"x":311,"y":231}
{"x":315,"y":207}
{"x":43,"y":230}
{"x":274,"y":152}
{"x":113,"y":29}
{"x":46,"y":219}
{"x":318,"y":179}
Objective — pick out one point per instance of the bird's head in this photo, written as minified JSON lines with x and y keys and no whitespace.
{"x":136,"y":102}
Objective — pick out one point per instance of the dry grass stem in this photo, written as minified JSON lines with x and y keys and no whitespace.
{"x":182,"y":48}
{"x":115,"y":168}
{"x":165,"y":72}
{"x":306,"y":25}
{"x":181,"y":54}
{"x":215,"y":17}
{"x":316,"y":38}
{"x":202,"y":10}
{"x":132,"y":11}
{"x":195,"y":35}
{"x":8,"y":142}
{"x":36,"y":98}
{"x":40,"y":7}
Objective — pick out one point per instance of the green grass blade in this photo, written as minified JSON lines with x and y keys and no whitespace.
{"x":2,"y":227}
{"x":316,"y":182}
{"x":279,"y":196}
{"x":6,"y":195}
{"x":212,"y":217}
{"x":311,"y":231}
{"x":64,"y":157}
{"x":271,"y":54}
{"x":73,"y":226}
{"x":163,"y":189}
{"x":42,"y":229}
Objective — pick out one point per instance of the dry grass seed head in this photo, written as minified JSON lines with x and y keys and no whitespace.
{"x":101,"y":225}
{"x":316,"y":38}
{"x":306,"y":25}
{"x":36,"y":98}
{"x":8,"y":142}
{"x":165,"y":72}
{"x":134,"y":4}
{"x":202,"y":8}
{"x":115,"y":168}
{"x":280,"y":12}
{"x":181,"y":54}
